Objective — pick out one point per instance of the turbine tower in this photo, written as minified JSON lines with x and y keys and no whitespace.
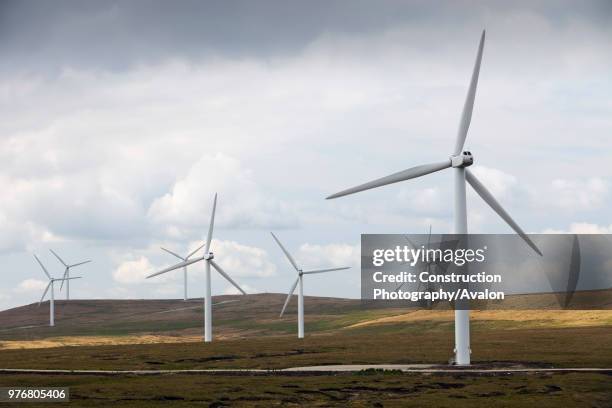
{"x":299,"y":280}
{"x":67,"y":272}
{"x":51,"y":285}
{"x":460,"y":160}
{"x":186,"y":258}
{"x":428,"y":264}
{"x":208,"y":260}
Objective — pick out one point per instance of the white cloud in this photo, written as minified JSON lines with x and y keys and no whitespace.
{"x":17,"y":233}
{"x":582,"y":228}
{"x":330,"y":255}
{"x":499,"y":183}
{"x":241,"y":202}
{"x":31,"y":285}
{"x":429,"y":200}
{"x":587,"y":228}
{"x":133,"y":271}
{"x":579,"y":195}
{"x":242,"y":260}
{"x":85,"y":157}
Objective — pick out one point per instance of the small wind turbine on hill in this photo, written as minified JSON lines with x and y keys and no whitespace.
{"x":428,"y":265}
{"x":208,"y":261}
{"x":459,"y":161}
{"x":184,"y":259}
{"x":51,"y":285}
{"x":299,"y":280}
{"x":67,"y":272}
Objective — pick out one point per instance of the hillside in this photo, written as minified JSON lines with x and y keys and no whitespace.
{"x":233,"y":315}
{"x":98,"y":322}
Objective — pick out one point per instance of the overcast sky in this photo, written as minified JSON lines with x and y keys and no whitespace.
{"x":120,"y":120}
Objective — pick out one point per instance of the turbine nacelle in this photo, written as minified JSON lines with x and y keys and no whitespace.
{"x":464,"y":159}
{"x":209,"y":257}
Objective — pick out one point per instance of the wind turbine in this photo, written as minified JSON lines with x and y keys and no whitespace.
{"x":51,"y":285}
{"x":299,"y":280}
{"x":186,"y":258}
{"x":459,"y":161}
{"x":67,"y":272}
{"x":208,"y":260}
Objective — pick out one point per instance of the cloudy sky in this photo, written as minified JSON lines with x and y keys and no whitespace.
{"x":120,"y":120}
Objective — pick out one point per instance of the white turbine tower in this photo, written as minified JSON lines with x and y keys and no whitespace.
{"x":186,"y":258}
{"x":67,"y":272}
{"x":208,"y":260}
{"x":299,"y":281}
{"x":459,"y":161}
{"x":51,"y":285}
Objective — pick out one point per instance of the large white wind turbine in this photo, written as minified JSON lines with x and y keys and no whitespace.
{"x":459,"y":161}
{"x":51,"y":285}
{"x":67,"y":272}
{"x":299,"y":280}
{"x":186,"y":258}
{"x":208,"y":260}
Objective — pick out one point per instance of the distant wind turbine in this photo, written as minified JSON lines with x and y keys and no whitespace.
{"x":299,"y":281}
{"x":459,"y":161}
{"x":51,"y":285}
{"x":428,"y":264}
{"x":208,"y":260}
{"x":186,"y":258}
{"x":67,"y":272}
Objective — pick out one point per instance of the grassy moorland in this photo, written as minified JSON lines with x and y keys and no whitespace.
{"x":391,"y":344}
{"x":167,"y":335}
{"x":344,"y":390}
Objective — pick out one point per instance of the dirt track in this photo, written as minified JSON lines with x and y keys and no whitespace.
{"x":329,"y":369}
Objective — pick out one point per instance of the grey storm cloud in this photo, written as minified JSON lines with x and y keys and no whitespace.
{"x":115,"y":35}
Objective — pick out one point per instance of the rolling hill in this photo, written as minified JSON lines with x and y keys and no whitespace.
{"x":91,"y":322}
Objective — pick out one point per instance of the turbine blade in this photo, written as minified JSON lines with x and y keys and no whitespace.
{"x":64,"y":276}
{"x":177,"y":266}
{"x":489,"y":199}
{"x":326,"y":270}
{"x":58,"y":258}
{"x":466,"y":115}
{"x":70,"y":278}
{"x":287,"y":254}
{"x":226,"y":276}
{"x":173,"y":253}
{"x":43,"y":267}
{"x":573,"y":272}
{"x":411,"y":173}
{"x":195,"y":250}
{"x":45,"y":292}
{"x":289,"y":296}
{"x":80,"y":263}
{"x":412,"y":244}
{"x":212,"y":224}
